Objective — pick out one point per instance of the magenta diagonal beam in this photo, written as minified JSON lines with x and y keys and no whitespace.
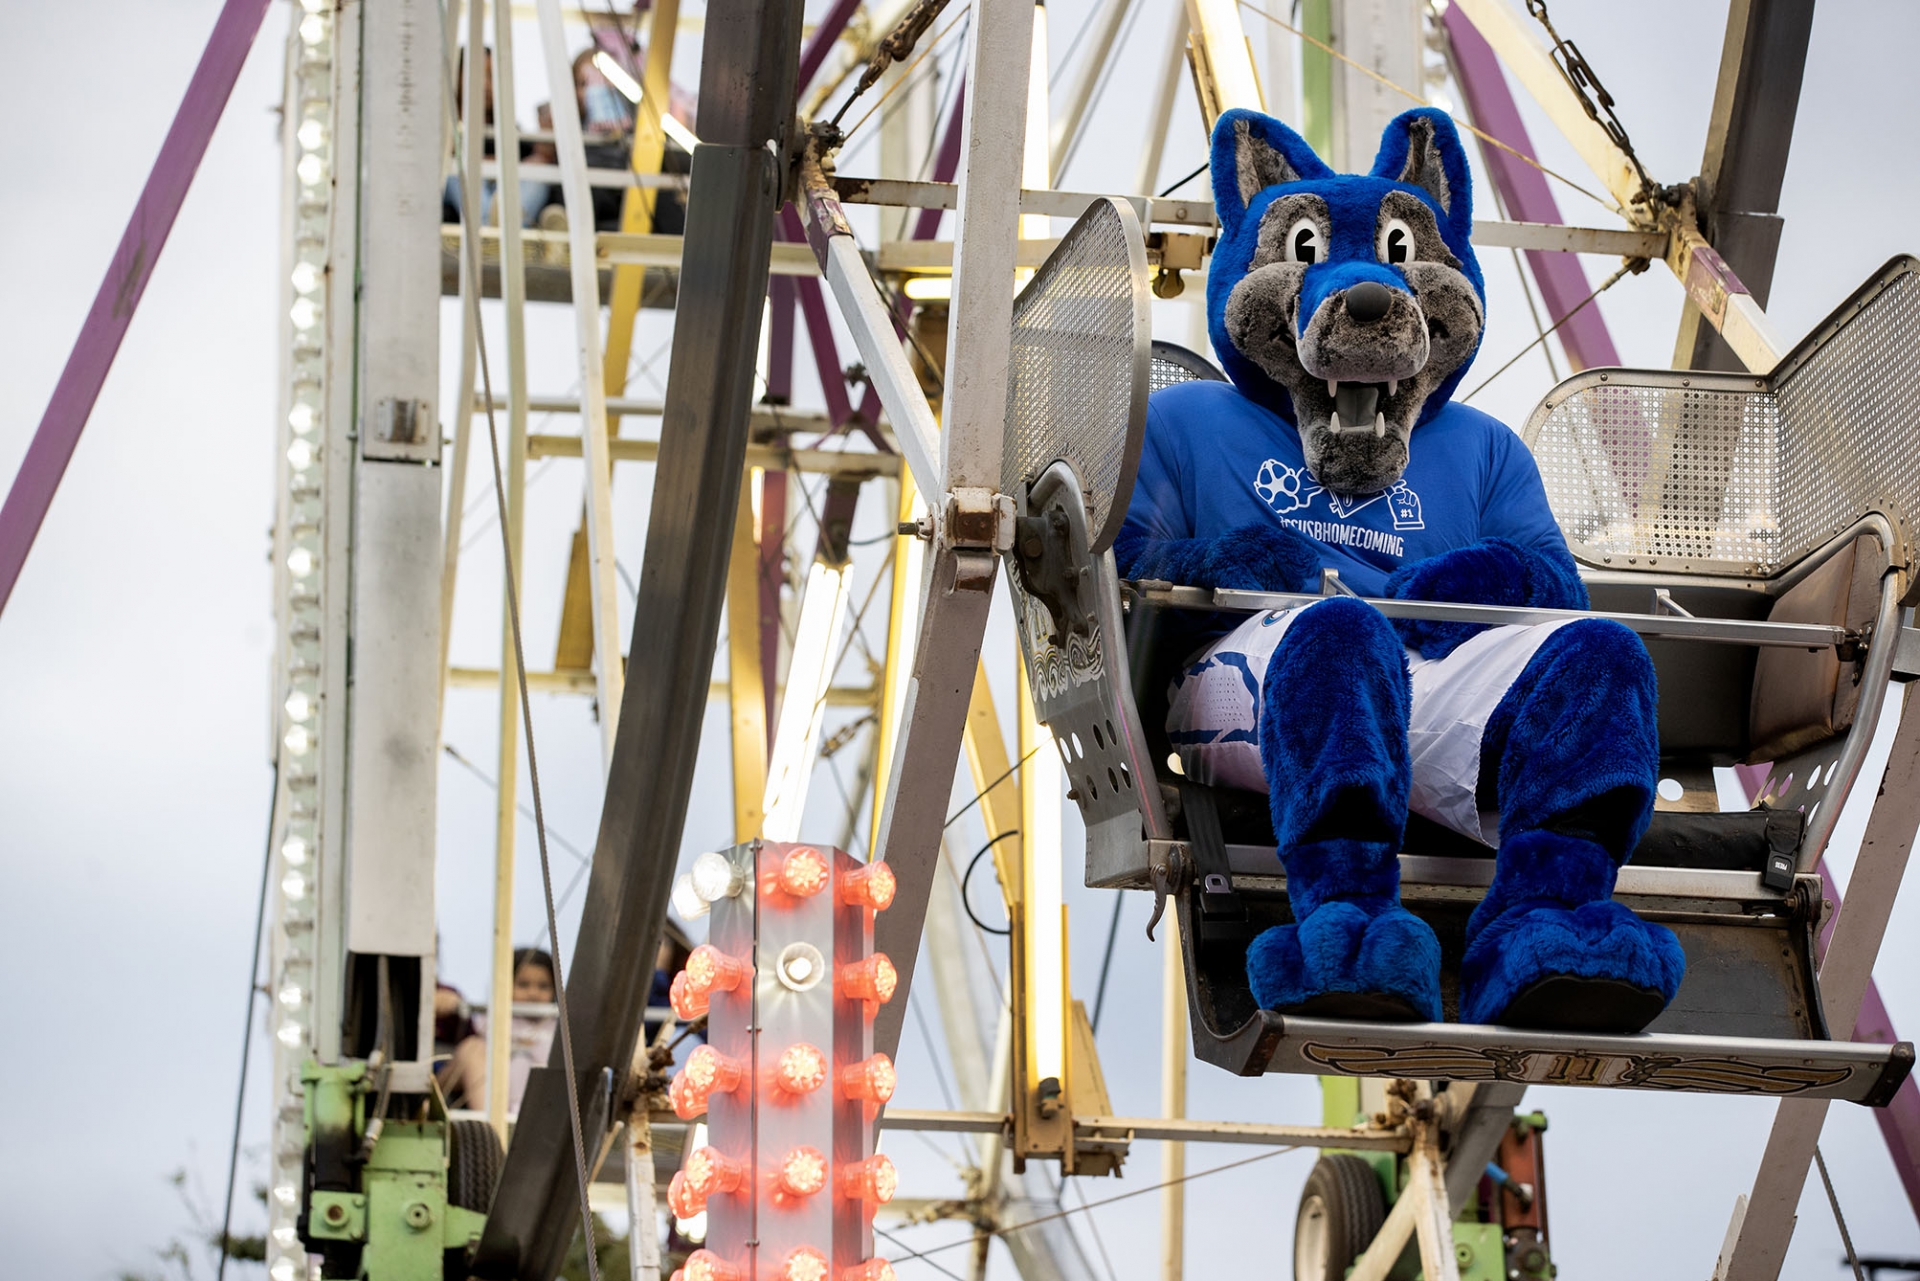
{"x":824,"y":35}
{"x":1563,"y":285}
{"x":126,"y":280}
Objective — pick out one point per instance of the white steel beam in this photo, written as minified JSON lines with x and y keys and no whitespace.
{"x":578,"y":198}
{"x":1760,"y":1240}
{"x":1066,"y":128}
{"x":460,"y":421}
{"x":1518,"y":44}
{"x":513,"y":292}
{"x":966,"y":483}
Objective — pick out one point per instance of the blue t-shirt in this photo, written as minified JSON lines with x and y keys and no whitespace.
{"x":1215,"y":461}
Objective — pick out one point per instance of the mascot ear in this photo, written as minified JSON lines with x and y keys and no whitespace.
{"x":1421,"y":149}
{"x":1252,"y":152}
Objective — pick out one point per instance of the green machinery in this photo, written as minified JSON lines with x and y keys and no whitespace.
{"x":393,"y":1190}
{"x":1500,"y":1235}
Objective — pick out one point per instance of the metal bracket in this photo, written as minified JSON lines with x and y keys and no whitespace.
{"x":978,"y":518}
{"x":338,"y":1216}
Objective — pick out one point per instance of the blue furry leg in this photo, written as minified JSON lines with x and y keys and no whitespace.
{"x":1333,"y":740}
{"x":1575,"y":749}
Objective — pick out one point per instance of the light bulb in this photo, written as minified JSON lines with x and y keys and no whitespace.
{"x":306,"y":276}
{"x":685,"y":900}
{"x":287,"y":1195}
{"x":294,"y":850}
{"x":299,"y":705}
{"x":804,"y":1171}
{"x":803,"y":872}
{"x":709,"y":1172}
{"x":311,"y":168}
{"x":282,"y":1269}
{"x":688,"y":1004}
{"x":705,"y":1265}
{"x":710,"y":970}
{"x":800,"y":967}
{"x":873,"y":1179}
{"x":300,"y":455}
{"x":804,"y":1264}
{"x":301,"y":416}
{"x":870,"y":980}
{"x":313,"y":29}
{"x":311,"y":134}
{"x":298,"y":740}
{"x":290,"y":996}
{"x":871,"y":1079}
{"x":682,"y":1200}
{"x":294,"y":885}
{"x":802,"y":1069}
{"x":290,"y":1034}
{"x":285,"y":1237}
{"x":875,"y":1269}
{"x":709,"y":1070}
{"x":714,"y":877}
{"x":870,"y":886}
{"x":299,"y":562}
{"x":304,"y":314}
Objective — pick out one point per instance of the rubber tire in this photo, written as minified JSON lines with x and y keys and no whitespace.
{"x":1344,"y":1193}
{"x":473,"y":1164}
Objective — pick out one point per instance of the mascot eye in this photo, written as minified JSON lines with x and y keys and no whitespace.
{"x":1396,"y":242}
{"x":1303,"y":242}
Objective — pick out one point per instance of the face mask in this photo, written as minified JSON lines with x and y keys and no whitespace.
{"x":606,"y":109}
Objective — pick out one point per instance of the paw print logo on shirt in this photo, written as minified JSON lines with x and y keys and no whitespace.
{"x":1283,"y":488}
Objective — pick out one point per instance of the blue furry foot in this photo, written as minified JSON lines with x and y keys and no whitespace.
{"x":1348,"y":960}
{"x":1592,"y":968}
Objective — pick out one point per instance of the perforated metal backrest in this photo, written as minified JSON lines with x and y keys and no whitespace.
{"x":1077,"y":371}
{"x":1173,"y":364}
{"x":1741,"y":474}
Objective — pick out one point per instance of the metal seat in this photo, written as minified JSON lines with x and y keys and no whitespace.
{"x":1753,"y":530}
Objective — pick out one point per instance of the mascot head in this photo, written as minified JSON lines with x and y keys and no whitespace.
{"x":1350,"y":305}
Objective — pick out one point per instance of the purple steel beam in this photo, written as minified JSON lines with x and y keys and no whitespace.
{"x":126,"y":280}
{"x":813,"y":307}
{"x":824,"y":35}
{"x":1900,"y":1119}
{"x":1563,"y":285}
{"x":780,"y":341}
{"x":946,"y":163}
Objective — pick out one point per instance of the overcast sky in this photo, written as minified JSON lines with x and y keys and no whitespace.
{"x":135,"y":654}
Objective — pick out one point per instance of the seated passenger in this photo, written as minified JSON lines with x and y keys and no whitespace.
{"x":1346,"y":309}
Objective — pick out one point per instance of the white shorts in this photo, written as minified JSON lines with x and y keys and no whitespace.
{"x":1214,"y":724}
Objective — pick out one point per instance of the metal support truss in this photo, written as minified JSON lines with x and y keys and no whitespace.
{"x":751,"y":55}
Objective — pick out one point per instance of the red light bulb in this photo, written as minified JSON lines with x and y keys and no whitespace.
{"x":804,"y":1171}
{"x":709,"y":1172}
{"x":688,"y":1005}
{"x":804,"y":872}
{"x":705,"y":1265}
{"x":681,"y":1199}
{"x":805,"y":1264}
{"x":873,"y":1179}
{"x":874,"y":1269}
{"x":710,"y":1070}
{"x":870,"y":980}
{"x":710,"y":970}
{"x":870,"y":886}
{"x":871,"y":1079}
{"x":687,"y":1101}
{"x":802,"y":1069}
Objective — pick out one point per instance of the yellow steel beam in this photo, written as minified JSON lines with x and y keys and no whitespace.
{"x":746,"y":692}
{"x":1222,"y":59}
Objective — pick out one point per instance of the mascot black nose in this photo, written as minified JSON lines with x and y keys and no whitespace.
{"x":1368,"y":301}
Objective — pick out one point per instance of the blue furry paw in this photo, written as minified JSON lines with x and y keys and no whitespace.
{"x":1595,"y":968}
{"x":1493,"y":571}
{"x":1344,"y":957}
{"x":1258,"y":557}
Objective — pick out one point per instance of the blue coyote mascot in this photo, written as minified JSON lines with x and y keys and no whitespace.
{"x":1346,"y":309}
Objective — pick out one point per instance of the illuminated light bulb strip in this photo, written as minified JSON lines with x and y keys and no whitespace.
{"x":870,"y":1080}
{"x":298,"y":842}
{"x":871,"y":980}
{"x":871,"y":886}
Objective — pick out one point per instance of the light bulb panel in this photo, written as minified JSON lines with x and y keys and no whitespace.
{"x":798,"y":918}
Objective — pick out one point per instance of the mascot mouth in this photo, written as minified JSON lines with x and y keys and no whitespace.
{"x":1360,"y":409}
